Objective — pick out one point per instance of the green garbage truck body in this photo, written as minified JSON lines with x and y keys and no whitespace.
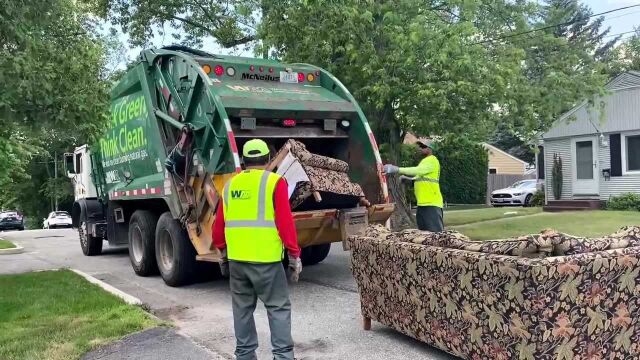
{"x":178,"y":120}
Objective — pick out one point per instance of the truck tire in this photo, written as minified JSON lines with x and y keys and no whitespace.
{"x":90,"y":245}
{"x":314,"y":254}
{"x":142,"y":242}
{"x":175,"y":255}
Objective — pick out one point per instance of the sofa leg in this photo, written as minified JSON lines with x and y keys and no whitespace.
{"x":366,"y":323}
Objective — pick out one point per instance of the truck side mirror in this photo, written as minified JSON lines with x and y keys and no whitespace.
{"x":68,"y":164}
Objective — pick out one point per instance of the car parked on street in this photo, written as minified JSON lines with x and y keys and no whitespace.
{"x":57,"y":219}
{"x":519,"y":194}
{"x":11,"y":220}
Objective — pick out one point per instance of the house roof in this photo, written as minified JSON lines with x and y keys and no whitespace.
{"x":620,"y":112}
{"x":491,"y":147}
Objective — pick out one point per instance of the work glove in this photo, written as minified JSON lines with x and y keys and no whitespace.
{"x":390,"y":169}
{"x":295,"y":267}
{"x":406,"y":178}
{"x":224,"y":264}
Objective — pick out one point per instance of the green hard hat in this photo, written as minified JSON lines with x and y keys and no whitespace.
{"x":427,"y":143}
{"x":254,"y":148}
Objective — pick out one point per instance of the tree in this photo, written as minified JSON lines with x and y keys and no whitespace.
{"x":506,"y":140}
{"x":53,"y":89}
{"x":411,"y":64}
{"x":231,"y":23}
{"x":626,"y":56}
{"x":562,"y":66}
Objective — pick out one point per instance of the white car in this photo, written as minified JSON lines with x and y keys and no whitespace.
{"x":57,"y":219}
{"x":519,"y":193}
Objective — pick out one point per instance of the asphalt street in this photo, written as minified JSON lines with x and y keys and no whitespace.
{"x":326,"y":307}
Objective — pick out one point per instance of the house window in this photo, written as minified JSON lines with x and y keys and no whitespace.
{"x":493,"y":171}
{"x":631,"y":155}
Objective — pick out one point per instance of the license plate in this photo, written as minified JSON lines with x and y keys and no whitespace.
{"x":289,"y":77}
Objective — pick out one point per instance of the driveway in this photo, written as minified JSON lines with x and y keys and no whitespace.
{"x":326,"y":307}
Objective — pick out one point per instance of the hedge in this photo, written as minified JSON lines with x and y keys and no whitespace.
{"x":463,"y":169}
{"x":464,"y":166}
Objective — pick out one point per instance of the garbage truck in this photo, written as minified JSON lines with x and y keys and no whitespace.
{"x":179,"y":118}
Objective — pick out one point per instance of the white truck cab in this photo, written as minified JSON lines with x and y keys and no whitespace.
{"x":78,"y":167}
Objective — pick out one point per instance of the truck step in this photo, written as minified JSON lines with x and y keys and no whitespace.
{"x":212,"y":257}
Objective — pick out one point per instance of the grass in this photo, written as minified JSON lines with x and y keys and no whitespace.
{"x":580,"y":223}
{"x":6,"y":244}
{"x":58,"y":315}
{"x":453,"y":207}
{"x":461,"y":217}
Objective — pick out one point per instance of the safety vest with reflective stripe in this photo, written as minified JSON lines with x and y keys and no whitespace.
{"x":249,"y":217}
{"x":427,"y":186}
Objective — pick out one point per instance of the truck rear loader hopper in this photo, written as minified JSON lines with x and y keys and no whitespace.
{"x":178,"y":120}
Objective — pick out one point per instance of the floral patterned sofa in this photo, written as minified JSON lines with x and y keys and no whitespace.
{"x":546,"y":296}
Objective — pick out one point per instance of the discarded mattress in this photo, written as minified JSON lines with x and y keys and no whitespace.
{"x":315,"y":181}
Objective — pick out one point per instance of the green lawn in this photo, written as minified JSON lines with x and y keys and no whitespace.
{"x":59,"y":315}
{"x":461,"y":217}
{"x":6,"y":244}
{"x":580,"y":223}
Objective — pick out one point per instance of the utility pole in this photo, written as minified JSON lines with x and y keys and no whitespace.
{"x":55,"y":175}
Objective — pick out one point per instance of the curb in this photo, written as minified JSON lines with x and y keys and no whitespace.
{"x":129,"y":299}
{"x":16,"y":250}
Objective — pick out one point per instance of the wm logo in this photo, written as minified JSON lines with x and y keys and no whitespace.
{"x":240,"y":194}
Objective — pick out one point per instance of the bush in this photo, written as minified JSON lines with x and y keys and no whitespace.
{"x":556,"y":176}
{"x":538,"y":198}
{"x":464,"y":164}
{"x":463,"y":169}
{"x":628,"y":201}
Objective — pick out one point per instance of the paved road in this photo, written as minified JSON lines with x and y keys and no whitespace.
{"x":326,"y":313}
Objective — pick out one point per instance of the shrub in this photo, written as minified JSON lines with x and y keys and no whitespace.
{"x":463,"y":169}
{"x":628,"y":201}
{"x":464,"y":164}
{"x":556,"y":176}
{"x":538,"y":198}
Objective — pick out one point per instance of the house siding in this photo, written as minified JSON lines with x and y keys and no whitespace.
{"x":616,"y":185}
{"x":505,"y":164}
{"x":561,"y":147}
{"x":620,"y":114}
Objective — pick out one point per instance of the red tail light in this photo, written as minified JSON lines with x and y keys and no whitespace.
{"x":288,"y":123}
{"x":219,"y":70}
{"x":300,"y":77}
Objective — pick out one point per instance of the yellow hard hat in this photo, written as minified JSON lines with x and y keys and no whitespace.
{"x":255,"y":148}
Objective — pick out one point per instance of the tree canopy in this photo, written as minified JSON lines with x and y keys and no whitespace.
{"x":231,"y":23}
{"x":53,"y":89}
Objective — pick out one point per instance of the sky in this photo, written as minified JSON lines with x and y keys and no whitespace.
{"x":620,"y":22}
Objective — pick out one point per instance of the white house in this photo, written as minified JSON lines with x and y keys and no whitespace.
{"x":599,"y":146}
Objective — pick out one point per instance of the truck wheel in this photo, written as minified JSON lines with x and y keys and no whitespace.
{"x":175,"y":255}
{"x":312,"y":255}
{"x":90,"y":245}
{"x":142,"y":242}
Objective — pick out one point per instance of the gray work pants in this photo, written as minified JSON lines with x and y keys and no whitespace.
{"x":429,"y":218}
{"x":267,"y":282}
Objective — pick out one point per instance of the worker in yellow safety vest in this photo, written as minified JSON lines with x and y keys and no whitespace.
{"x":426,"y":177}
{"x":252,"y":229}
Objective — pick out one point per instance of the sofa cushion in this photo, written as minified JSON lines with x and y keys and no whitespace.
{"x":319,"y":161}
{"x":625,"y":237}
{"x":530,"y":246}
